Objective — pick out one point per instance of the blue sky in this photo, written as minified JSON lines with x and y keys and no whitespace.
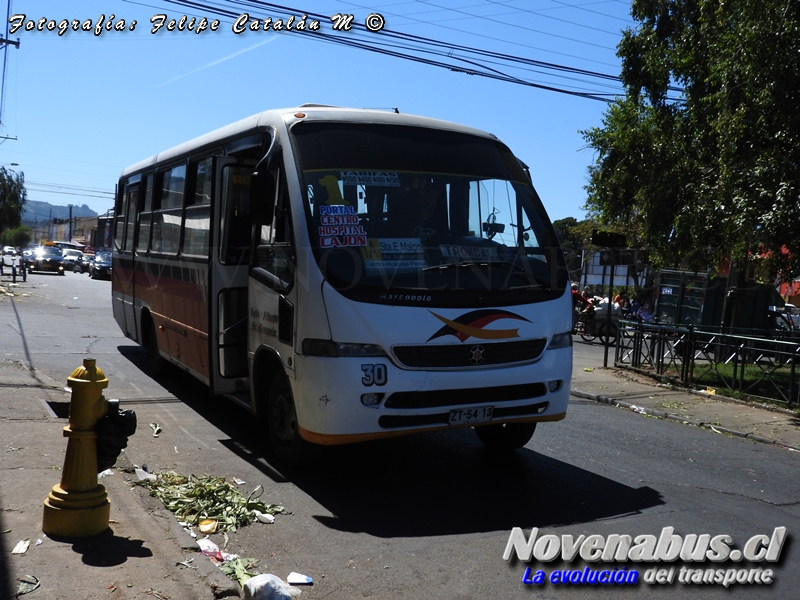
{"x":83,"y":107}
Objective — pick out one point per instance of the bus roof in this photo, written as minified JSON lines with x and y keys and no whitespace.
{"x":287,"y":116}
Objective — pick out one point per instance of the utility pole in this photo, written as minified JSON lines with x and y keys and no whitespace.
{"x":5,"y":42}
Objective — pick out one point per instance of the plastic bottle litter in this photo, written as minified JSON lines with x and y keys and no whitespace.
{"x":268,"y":587}
{"x":295,"y":578}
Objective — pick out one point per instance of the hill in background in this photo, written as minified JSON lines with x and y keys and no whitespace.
{"x":36,"y":212}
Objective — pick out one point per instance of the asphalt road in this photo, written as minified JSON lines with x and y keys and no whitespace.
{"x":429,"y":516}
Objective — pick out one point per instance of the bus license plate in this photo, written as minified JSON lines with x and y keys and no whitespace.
{"x":471,"y":416}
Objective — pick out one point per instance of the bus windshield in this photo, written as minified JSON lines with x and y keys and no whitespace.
{"x":398,"y":208}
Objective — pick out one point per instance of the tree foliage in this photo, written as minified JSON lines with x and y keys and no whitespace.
{"x":12,"y":198}
{"x":571,"y":237}
{"x":702,"y":156}
{"x":19,"y":237}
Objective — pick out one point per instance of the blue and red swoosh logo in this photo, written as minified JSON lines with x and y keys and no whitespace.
{"x":472,"y":324}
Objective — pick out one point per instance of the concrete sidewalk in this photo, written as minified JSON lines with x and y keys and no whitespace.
{"x":145,"y":554}
{"x":140,"y":555}
{"x":718,"y":414}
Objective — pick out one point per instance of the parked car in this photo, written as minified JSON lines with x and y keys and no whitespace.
{"x":83,"y":263}
{"x":790,"y":310}
{"x":70,"y":256}
{"x":46,"y":258}
{"x":100,"y":267}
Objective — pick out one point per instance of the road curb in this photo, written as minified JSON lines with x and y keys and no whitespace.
{"x":665,"y":415}
{"x":222,"y":586}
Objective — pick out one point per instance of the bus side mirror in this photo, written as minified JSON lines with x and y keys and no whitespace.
{"x":262,"y":196}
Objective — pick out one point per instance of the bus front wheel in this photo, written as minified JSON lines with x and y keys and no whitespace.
{"x":284,"y":435}
{"x":506,"y":437}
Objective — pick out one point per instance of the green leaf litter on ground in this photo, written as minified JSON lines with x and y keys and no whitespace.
{"x":194,"y":499}
{"x":238,"y":569}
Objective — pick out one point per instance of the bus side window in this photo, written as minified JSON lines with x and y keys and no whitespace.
{"x":274,"y":253}
{"x":119,"y":213}
{"x":236,"y":222}
{"x":197,"y":218}
{"x":167,"y":209}
{"x":145,"y":217}
{"x":132,"y":202}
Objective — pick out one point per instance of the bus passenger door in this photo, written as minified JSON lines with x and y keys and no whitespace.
{"x":273,"y":295}
{"x":122,"y":272}
{"x":230,"y":257}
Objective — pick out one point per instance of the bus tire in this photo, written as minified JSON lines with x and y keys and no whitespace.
{"x":155,"y":362}
{"x":507,"y":436}
{"x":284,"y":435}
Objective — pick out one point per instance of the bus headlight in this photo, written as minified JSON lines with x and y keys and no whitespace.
{"x":561,"y":340}
{"x":314,"y":347}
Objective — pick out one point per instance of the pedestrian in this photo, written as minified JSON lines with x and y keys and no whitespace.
{"x":14,"y":263}
{"x":23,"y":271}
{"x":578,"y":301}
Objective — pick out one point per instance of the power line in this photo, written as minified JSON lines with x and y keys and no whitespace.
{"x":454,"y":57}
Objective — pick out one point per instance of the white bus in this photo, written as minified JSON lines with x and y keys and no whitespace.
{"x":349,"y":275}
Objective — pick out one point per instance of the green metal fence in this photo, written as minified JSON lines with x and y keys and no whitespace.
{"x":744,"y":364}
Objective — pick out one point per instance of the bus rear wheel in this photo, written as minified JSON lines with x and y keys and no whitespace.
{"x":155,"y":361}
{"x":284,"y":435}
{"x":506,"y":437}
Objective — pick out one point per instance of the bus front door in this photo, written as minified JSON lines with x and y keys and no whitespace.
{"x":228,"y":280}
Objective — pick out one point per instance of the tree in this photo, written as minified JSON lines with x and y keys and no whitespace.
{"x":574,"y":236}
{"x":12,"y":199}
{"x":709,"y":170}
{"x":19,"y":237}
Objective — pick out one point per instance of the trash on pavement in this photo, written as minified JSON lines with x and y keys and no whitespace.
{"x":26,"y":584}
{"x":208,"y":526}
{"x":194,"y":499}
{"x":186,"y":563}
{"x":637,"y":409}
{"x":268,"y":587}
{"x":156,"y":429}
{"x":238,"y":569}
{"x":299,"y":579}
{"x":210,"y":549}
{"x":21,"y":547}
{"x":238,"y":481}
{"x":144,"y":475}
{"x":263,"y":518}
{"x":105,"y":473}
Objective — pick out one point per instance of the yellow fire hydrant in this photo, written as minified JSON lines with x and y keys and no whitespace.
{"x":79,"y":505}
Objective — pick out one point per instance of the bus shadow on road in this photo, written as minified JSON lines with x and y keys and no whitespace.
{"x":438,"y":483}
{"x":447,"y":483}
